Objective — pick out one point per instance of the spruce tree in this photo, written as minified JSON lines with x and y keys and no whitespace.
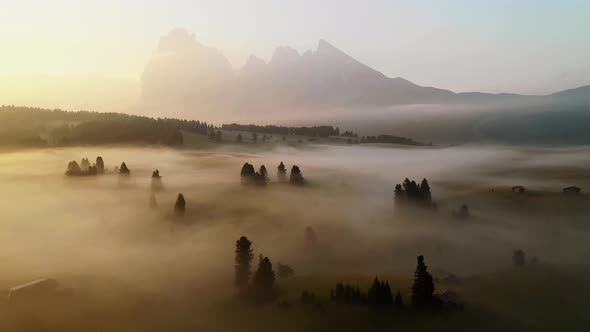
{"x":99,"y":165}
{"x":296,"y":177}
{"x":264,"y":280}
{"x":423,"y":287}
{"x":243,"y":261}
{"x":124,"y":170}
{"x":180,"y":205}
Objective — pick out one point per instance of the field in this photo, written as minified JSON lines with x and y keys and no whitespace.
{"x":126,"y":266}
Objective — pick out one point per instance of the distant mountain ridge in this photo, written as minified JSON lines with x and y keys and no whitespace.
{"x":184,"y":72}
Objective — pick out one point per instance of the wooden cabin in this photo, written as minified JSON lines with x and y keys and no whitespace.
{"x":573,"y":190}
{"x":518,"y":189}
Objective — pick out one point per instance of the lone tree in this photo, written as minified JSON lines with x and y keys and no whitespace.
{"x":99,"y":165}
{"x":263,"y":172}
{"x":124,"y":170}
{"x":423,"y":287}
{"x":518,"y":258}
{"x":282,"y":171}
{"x":264,"y":280}
{"x":296,"y":177}
{"x":180,"y":206}
{"x":243,"y":262}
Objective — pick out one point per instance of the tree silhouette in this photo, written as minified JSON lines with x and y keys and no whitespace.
{"x":423,"y":287}
{"x":263,"y":171}
{"x":124,"y":170}
{"x":285,"y":271}
{"x":398,"y":302}
{"x":99,"y":165}
{"x":180,"y":206}
{"x":518,"y":258}
{"x":85,"y":164}
{"x":410,"y":191}
{"x":73,"y":168}
{"x":282,"y":171}
{"x":243,"y":261}
{"x":296,"y":177}
{"x":239,"y":138}
{"x":247,"y":173}
{"x":379,"y":295}
{"x":264,"y":280}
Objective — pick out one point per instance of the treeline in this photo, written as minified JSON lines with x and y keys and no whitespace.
{"x":27,"y":126}
{"x":316,"y":131}
{"x":390,"y":139}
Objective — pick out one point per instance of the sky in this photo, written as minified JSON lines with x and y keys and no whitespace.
{"x":524,"y":46}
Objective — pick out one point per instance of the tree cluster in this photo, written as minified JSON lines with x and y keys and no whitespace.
{"x":316,"y":131}
{"x":259,"y":286}
{"x":410,"y":191}
{"x":379,"y":295}
{"x":390,"y":139}
{"x":90,"y":128}
{"x":250,"y":176}
{"x":84,"y":168}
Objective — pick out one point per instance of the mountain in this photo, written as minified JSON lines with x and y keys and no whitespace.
{"x":182,"y":73}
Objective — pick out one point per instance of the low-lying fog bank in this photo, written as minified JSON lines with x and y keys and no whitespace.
{"x":103,"y":227}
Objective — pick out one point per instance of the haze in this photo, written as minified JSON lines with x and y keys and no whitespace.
{"x":527,"y":47}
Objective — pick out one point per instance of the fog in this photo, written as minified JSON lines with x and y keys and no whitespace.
{"x":103,"y":227}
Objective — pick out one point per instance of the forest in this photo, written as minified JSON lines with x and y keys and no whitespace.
{"x":35,"y":127}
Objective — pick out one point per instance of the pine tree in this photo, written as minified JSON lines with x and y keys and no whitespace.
{"x":423,"y":287}
{"x":180,"y":205}
{"x":264,"y":280}
{"x":124,"y":170}
{"x":296,"y":177}
{"x":263,"y":172}
{"x":282,"y":171}
{"x":99,"y":165}
{"x":243,"y":261}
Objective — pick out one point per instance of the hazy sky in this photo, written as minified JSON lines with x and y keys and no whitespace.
{"x":524,"y":46}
